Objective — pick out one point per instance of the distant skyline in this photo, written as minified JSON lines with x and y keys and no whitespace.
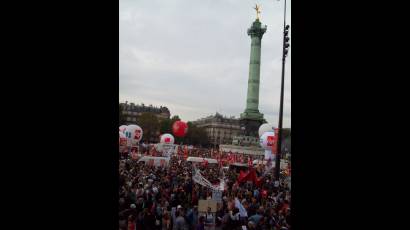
{"x":192,"y":56}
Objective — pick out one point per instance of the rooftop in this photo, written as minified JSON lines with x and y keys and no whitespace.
{"x":143,"y":108}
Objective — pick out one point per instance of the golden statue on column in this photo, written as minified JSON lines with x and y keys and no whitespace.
{"x":258,"y":11}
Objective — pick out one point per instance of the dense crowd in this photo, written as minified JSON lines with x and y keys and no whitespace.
{"x":149,"y":149}
{"x":166,"y":198}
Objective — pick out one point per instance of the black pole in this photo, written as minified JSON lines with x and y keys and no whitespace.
{"x":279,"y":144}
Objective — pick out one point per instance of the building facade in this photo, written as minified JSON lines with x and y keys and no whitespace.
{"x":220,"y":129}
{"x":131,"y":112}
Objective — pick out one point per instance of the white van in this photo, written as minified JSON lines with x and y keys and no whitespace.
{"x":201,"y":159}
{"x":156,"y":161}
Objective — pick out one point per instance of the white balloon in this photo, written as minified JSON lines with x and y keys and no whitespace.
{"x":267,"y":140}
{"x":123,"y":128}
{"x":122,"y":139}
{"x":167,"y":139}
{"x":265,"y":128}
{"x":134,"y":133}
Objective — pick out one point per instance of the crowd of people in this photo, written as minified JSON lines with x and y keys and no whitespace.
{"x":226,"y":156}
{"x":166,"y":198}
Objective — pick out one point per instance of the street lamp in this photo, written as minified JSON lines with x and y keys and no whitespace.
{"x":284,"y":55}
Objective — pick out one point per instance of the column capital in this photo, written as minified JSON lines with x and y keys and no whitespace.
{"x":257,"y":29}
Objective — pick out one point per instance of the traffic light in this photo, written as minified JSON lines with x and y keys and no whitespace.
{"x":286,"y":41}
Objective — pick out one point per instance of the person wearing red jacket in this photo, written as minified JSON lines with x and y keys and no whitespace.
{"x":131,"y":223}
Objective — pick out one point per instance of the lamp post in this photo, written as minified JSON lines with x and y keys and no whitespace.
{"x":284,"y":55}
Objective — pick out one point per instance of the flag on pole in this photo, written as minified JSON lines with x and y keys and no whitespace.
{"x":186,"y":152}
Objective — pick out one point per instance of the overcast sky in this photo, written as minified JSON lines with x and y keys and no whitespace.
{"x":192,"y":56}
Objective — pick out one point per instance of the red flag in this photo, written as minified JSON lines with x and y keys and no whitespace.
{"x":250,"y":163}
{"x":275,"y":141}
{"x":204,"y":162}
{"x":258,"y":181}
{"x":250,"y":176}
{"x":242,"y":176}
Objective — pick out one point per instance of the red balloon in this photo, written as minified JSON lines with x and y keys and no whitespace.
{"x":179,"y":128}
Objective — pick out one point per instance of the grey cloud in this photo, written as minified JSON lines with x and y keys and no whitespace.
{"x":193,"y":56}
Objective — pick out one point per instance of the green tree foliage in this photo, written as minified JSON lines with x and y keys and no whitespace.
{"x":150,"y":126}
{"x":165,"y":126}
{"x":121,"y":117}
{"x":175,"y":118}
{"x":196,"y":135}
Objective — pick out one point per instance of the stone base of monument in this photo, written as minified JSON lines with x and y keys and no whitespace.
{"x":255,"y":151}
{"x":250,"y":126}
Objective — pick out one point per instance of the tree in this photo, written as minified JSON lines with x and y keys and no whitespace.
{"x":165,"y":126}
{"x":196,"y":135}
{"x":175,"y":118}
{"x":121,"y":115}
{"x":150,"y":126}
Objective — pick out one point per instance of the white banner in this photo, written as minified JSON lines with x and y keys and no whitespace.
{"x":198,"y":178}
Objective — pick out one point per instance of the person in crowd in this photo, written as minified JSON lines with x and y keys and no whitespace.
{"x":192,"y":217}
{"x":235,"y":218}
{"x":180,"y":222}
{"x":257,"y":217}
{"x":201,"y":224}
{"x":166,"y":221}
{"x":131,"y":223}
{"x":122,"y":222}
{"x":153,"y":197}
{"x":209,"y":217}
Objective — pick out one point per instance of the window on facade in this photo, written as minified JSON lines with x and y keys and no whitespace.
{"x":128,"y":118}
